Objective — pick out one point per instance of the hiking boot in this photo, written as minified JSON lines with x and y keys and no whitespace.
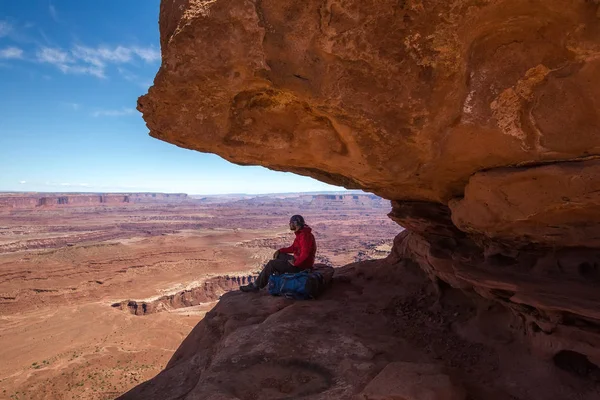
{"x":251,"y":287}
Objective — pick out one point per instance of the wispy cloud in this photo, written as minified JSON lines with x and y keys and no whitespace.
{"x":66,"y":63}
{"x":113,"y":113}
{"x":83,"y":70}
{"x":102,"y":55}
{"x":131,"y":77}
{"x":53,"y":13}
{"x":75,"y":184}
{"x":22,"y":182}
{"x":5,"y":28}
{"x":67,"y":184}
{"x":127,"y":75}
{"x":94,"y":60}
{"x":11,"y":53}
{"x":148,"y":54}
{"x":73,"y":106}
{"x":53,"y":56}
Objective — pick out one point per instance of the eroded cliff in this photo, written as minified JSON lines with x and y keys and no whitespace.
{"x":478,"y":119}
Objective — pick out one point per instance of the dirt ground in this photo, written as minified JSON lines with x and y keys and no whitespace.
{"x":63,"y":270}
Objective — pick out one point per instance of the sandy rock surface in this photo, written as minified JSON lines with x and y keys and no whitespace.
{"x":380,"y":332}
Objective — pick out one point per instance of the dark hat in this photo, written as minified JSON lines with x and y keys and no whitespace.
{"x":298,"y":219}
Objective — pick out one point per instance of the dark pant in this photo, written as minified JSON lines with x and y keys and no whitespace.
{"x":280,"y":266}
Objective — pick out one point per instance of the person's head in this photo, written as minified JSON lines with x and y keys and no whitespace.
{"x":296,"y":222}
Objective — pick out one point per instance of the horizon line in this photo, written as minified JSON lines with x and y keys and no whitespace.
{"x":187,"y":194}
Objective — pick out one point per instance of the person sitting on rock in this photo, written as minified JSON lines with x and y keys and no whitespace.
{"x":304,"y":249}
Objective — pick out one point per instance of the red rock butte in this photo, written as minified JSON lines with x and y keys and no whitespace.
{"x":479,"y":120}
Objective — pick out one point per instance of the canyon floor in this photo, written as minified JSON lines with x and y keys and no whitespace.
{"x":73,"y":281}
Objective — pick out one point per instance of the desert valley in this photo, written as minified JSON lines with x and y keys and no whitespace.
{"x":466,"y":251}
{"x":98,"y":291}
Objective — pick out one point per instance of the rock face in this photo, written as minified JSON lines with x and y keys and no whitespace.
{"x":555,"y":205}
{"x":405,"y":99}
{"x":478,"y":119}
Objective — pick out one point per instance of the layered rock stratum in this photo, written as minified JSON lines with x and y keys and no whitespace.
{"x":478,"y":119}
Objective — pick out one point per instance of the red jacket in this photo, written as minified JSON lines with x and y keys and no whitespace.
{"x":304,"y":248}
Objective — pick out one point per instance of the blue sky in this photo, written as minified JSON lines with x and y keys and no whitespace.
{"x":70,"y":74}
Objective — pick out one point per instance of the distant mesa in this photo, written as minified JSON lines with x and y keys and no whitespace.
{"x":322,"y":200}
{"x":33,"y":200}
{"x":329,"y":200}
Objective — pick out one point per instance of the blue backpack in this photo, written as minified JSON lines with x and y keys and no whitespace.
{"x":300,"y":286}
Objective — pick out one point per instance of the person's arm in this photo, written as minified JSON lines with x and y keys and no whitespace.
{"x":287,"y":250}
{"x":290,"y":249}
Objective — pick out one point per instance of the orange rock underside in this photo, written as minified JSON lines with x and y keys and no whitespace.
{"x":404,"y":99}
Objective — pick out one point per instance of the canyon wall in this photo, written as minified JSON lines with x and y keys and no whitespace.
{"x":211,"y":290}
{"x":479,"y":120}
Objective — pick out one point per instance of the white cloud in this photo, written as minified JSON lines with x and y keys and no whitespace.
{"x":102,"y":55}
{"x":22,"y":182}
{"x":99,"y":57}
{"x":66,"y":63}
{"x":94,"y":61}
{"x":113,"y":113}
{"x":83,"y":70}
{"x":131,"y":77}
{"x":67,"y":184}
{"x":148,"y":54}
{"x":53,"y":56}
{"x":53,"y":13}
{"x":75,"y":184}
{"x":127,"y":75}
{"x":11,"y":52}
{"x":5,"y":28}
{"x":73,"y":106}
